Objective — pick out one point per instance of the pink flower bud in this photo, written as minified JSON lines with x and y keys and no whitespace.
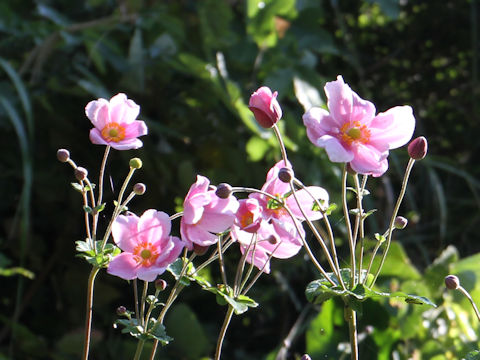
{"x":81,"y":173}
{"x":139,"y":188}
{"x":265,"y":107}
{"x":306,"y":357}
{"x":285,"y":175}
{"x":160,"y":284}
{"x":400,"y":222}
{"x":417,"y":149}
{"x":452,"y":282}
{"x":223,"y":191}
{"x":63,"y":155}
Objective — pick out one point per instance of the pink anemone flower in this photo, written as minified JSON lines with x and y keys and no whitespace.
{"x":352,"y":133}
{"x":115,"y":122}
{"x":205,"y":215}
{"x":263,"y":227}
{"x":147,"y":246}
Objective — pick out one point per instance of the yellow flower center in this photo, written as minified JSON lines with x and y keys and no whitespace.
{"x":246,"y":219}
{"x":354,"y":132}
{"x":113,"y":132}
{"x":145,"y":254}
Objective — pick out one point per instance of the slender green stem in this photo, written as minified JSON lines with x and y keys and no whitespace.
{"x":89,"y":311}
{"x":297,"y":227}
{"x":410,"y":164}
{"x":335,"y":265}
{"x":177,"y":288}
{"x":87,"y":220}
{"x":349,"y":227}
{"x":220,"y":260}
{"x":142,"y":304}
{"x":138,"y":353}
{"x":118,"y":207}
{"x":467,"y":295}
{"x":100,"y":188}
{"x":223,"y":331}
{"x":135,"y":296}
{"x":352,"y":326}
{"x":359,"y":223}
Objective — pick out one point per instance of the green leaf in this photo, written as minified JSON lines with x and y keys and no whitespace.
{"x":240,"y":304}
{"x":156,"y":331}
{"x":331,"y":208}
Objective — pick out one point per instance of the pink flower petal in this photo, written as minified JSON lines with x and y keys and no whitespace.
{"x":260,"y":259}
{"x":307,"y":202}
{"x":153,"y":226}
{"x":335,"y":150}
{"x":318,"y":123}
{"x":345,"y":105}
{"x":126,"y":144}
{"x":124,"y":232}
{"x":394,"y":127}
{"x":149,"y":273}
{"x":369,"y":161}
{"x":97,"y":112}
{"x":96,"y":137}
{"x":123,"y":110}
{"x":123,"y":266}
{"x":135,"y":129}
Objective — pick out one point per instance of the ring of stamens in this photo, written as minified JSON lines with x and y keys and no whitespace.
{"x":113,"y":132}
{"x":354,"y":132}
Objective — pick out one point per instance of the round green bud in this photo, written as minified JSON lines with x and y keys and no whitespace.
{"x":135,"y":163}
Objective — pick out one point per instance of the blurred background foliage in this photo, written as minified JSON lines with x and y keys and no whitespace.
{"x":192,"y":65}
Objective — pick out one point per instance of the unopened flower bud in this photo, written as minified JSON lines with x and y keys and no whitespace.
{"x":452,"y":282}
{"x":199,"y":250}
{"x":400,"y":222}
{"x":223,"y":191}
{"x":265,"y":107}
{"x":135,"y":163}
{"x":417,"y":149}
{"x":285,"y":175}
{"x":81,"y":173}
{"x":306,"y":357}
{"x":121,"y":310}
{"x":160,"y":284}
{"x":63,"y":155}
{"x":139,"y":188}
